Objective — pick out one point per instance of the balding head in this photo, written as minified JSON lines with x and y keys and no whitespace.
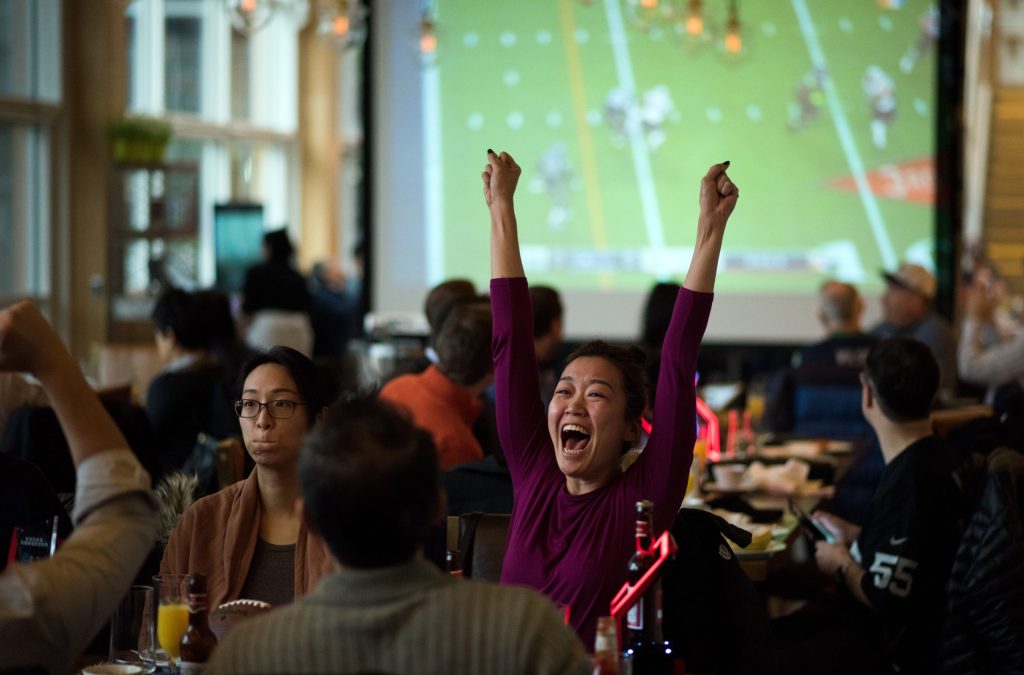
{"x":839,"y":307}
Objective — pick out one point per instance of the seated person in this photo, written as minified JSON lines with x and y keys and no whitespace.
{"x":51,"y":609}
{"x":248,"y":538}
{"x":898,"y":563}
{"x":370,"y":487}
{"x":572,"y":528}
{"x":445,"y":398}
{"x":839,"y":312}
{"x":275,"y":308}
{"x":186,"y":398}
{"x":908,"y":309}
{"x":984,"y":356}
{"x":438,"y":303}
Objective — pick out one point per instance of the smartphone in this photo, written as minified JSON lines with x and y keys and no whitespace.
{"x":816,"y":530}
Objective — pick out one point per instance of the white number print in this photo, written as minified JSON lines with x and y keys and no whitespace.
{"x":893,"y":573}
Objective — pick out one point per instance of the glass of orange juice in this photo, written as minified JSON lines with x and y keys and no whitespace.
{"x":172,"y":613}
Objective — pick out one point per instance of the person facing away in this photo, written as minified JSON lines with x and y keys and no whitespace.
{"x":439,"y":301}
{"x":248,"y":538}
{"x":51,"y":609}
{"x":371,"y":488}
{"x":445,"y":398}
{"x":908,"y":309}
{"x":186,"y":398}
{"x":985,"y":356}
{"x":572,"y":525}
{"x":276,"y":300}
{"x":846,"y":345}
{"x":898,"y":562}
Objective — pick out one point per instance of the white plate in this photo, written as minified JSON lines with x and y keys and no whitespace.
{"x":772,"y":548}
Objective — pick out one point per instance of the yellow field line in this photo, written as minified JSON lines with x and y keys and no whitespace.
{"x":579,"y":104}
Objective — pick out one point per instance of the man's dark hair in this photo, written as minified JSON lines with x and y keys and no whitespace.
{"x":307,"y":377}
{"x":370,"y":480}
{"x":463,"y":344}
{"x":441,"y":299}
{"x":180,"y":312}
{"x":630,"y":361}
{"x":547,"y":306}
{"x":904,"y":376}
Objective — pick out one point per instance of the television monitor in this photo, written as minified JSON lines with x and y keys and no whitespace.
{"x":238,"y":243}
{"x":828,"y":111}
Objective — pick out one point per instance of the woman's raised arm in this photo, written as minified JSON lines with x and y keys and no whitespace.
{"x":718,"y":195}
{"x":500,"y":177}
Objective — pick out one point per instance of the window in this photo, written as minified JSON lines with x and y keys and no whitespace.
{"x":30,"y":86}
{"x":232,"y":100}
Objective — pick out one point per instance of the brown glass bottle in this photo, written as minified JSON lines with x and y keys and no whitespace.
{"x":645,"y":650}
{"x":198,"y":642}
{"x":641,"y":615}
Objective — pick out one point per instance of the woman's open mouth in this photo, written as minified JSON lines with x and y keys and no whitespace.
{"x":575,"y":439}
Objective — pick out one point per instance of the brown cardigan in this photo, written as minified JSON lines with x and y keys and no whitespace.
{"x":217,"y":536}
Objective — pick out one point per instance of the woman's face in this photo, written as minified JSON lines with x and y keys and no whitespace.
{"x":273,"y":442}
{"x":587,"y":423}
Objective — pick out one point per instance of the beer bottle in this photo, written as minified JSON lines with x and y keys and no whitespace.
{"x":606,"y":648}
{"x":639,"y":563}
{"x":198,"y":641}
{"x":645,"y":650}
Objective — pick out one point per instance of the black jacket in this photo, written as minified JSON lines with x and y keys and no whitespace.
{"x":984,"y":630}
{"x":714,"y":616}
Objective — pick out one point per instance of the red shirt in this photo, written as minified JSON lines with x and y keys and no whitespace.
{"x":444,"y":408}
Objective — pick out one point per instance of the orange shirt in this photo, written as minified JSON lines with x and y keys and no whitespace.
{"x":444,"y":408}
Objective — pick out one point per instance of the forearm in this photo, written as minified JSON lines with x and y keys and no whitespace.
{"x":853,"y":575}
{"x":704,"y":263}
{"x":505,"y":258}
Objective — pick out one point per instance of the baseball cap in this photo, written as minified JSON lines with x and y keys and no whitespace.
{"x":913,"y":278}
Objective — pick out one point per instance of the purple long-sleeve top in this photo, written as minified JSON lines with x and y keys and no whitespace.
{"x":574,"y":548}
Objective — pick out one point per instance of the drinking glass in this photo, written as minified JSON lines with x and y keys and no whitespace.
{"x":172,"y":613}
{"x":131,"y":627}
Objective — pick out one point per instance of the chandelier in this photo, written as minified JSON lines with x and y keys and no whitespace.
{"x":249,"y":16}
{"x":342,"y":23}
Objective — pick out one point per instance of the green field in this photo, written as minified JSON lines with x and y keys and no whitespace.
{"x":528,"y":75}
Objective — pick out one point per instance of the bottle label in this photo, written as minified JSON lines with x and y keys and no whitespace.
{"x":190,"y":668}
{"x":635,"y":616}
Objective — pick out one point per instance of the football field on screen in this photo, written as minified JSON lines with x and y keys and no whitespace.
{"x":615,"y":113}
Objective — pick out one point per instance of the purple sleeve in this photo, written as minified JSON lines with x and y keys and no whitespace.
{"x":662,"y":470}
{"x":522,"y":425}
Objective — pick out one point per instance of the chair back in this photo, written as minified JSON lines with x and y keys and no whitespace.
{"x":481,"y":544}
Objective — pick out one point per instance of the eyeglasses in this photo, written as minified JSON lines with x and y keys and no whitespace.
{"x":279,"y":410}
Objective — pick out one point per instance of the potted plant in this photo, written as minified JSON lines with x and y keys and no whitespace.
{"x":140,"y":140}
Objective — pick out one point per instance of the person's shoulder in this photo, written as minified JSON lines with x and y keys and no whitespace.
{"x":259,"y":639}
{"x":500,"y":598}
{"x":216,"y":506}
{"x":400,"y":384}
